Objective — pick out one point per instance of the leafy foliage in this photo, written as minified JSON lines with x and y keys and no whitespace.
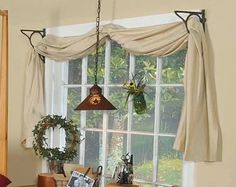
{"x":169,"y":170}
{"x":40,"y":141}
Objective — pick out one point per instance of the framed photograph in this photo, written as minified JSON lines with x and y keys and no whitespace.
{"x":78,"y":179}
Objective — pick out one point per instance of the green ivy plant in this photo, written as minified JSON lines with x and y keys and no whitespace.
{"x":40,"y":141}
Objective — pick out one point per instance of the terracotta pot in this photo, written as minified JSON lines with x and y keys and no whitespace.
{"x":46,"y":180}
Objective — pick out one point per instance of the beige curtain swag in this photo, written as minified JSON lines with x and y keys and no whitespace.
{"x":199,"y":135}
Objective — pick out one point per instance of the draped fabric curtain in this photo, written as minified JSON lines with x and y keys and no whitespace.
{"x":199,"y":135}
{"x":4,"y":93}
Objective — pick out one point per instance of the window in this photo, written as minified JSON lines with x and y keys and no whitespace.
{"x":108,"y":135}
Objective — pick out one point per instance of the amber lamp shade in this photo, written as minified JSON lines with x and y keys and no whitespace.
{"x":95,"y":101}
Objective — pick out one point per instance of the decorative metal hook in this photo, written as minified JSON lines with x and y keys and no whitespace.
{"x":30,"y":34}
{"x":200,"y":15}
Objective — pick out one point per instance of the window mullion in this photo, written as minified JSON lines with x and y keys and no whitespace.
{"x":130,"y":132}
{"x":50,"y":95}
{"x":130,"y":103}
{"x":157,"y":121}
{"x":107,"y":66}
{"x":57,"y":136}
{"x":58,"y":85}
{"x":64,"y":80}
{"x":105,"y":113}
{"x":83,"y":113}
{"x":65,"y":67}
{"x":49,"y":85}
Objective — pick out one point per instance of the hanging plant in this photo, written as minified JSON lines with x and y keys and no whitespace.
{"x":136,"y":89}
{"x":40,"y":141}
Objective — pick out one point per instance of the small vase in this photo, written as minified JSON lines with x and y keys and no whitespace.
{"x":140,"y":105}
{"x":55,"y":166}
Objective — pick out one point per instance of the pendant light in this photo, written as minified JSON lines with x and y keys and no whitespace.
{"x":95,"y":100}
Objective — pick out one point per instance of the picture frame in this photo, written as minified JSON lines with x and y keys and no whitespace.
{"x":78,"y":179}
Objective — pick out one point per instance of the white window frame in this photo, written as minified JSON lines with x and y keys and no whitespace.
{"x":55,"y":80}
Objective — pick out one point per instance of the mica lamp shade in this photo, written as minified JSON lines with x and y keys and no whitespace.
{"x":95,"y":101}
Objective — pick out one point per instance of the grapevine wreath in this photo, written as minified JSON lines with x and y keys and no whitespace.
{"x":40,"y":141}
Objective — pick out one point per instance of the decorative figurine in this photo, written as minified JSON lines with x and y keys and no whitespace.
{"x":123,"y":173}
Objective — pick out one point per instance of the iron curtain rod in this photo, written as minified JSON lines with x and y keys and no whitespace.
{"x":29,"y":34}
{"x":201,"y":15}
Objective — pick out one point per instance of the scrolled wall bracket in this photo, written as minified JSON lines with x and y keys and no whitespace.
{"x":30,"y":33}
{"x":201,"y":15}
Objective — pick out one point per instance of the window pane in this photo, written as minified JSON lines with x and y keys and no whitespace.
{"x":116,"y":147}
{"x":118,"y":118}
{"x":173,"y":68}
{"x":169,"y":163}
{"x":91,"y":66}
{"x":75,"y":71}
{"x":170,"y":108}
{"x":145,"y":122}
{"x":145,"y":66}
{"x":73,"y":99}
{"x":142,"y":149}
{"x":94,"y":118}
{"x":119,"y":67}
{"x":93,"y":149}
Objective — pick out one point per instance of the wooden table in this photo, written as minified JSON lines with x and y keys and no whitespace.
{"x":121,"y":185}
{"x":46,"y":180}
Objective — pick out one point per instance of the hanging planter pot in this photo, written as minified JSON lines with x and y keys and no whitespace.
{"x":136,"y":89}
{"x":140,"y":105}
